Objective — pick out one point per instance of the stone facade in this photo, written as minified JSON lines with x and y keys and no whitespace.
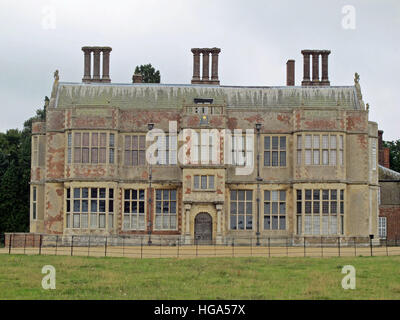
{"x":315,"y":171}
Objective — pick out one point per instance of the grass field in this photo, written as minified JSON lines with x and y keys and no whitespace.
{"x":202,"y":278}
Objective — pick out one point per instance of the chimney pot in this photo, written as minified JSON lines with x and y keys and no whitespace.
{"x":290,"y":74}
{"x":137,"y":78}
{"x":95,"y":77}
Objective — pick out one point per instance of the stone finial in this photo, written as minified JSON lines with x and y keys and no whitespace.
{"x":367,"y":106}
{"x":56,"y":75}
{"x":358,"y":90}
{"x":356,"y":78}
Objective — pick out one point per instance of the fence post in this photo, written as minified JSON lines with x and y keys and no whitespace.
{"x":40,"y":244}
{"x":160,"y":246}
{"x":269,"y":247}
{"x":56,"y":243}
{"x":370,"y":245}
{"x":88,"y":250}
{"x":9,"y":243}
{"x":251,"y":246}
{"x":355,"y":246}
{"x":123,"y":246}
{"x":177,"y":254}
{"x":338,"y":241}
{"x":195,"y":240}
{"x":105,"y":248}
{"x":304,"y":245}
{"x":24,"y":243}
{"x":233,"y":247}
{"x":72,"y":246}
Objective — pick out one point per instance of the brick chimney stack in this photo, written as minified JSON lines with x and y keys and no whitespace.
{"x":290,"y":73}
{"x":315,"y":81}
{"x":137,"y":78}
{"x":97,"y":53}
{"x":383,"y":152}
{"x":205,"y":53}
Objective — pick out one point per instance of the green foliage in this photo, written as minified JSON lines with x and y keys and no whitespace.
{"x":394,"y":147}
{"x":15,"y":169}
{"x":149,"y":74}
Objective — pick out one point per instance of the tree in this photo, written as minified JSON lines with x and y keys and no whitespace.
{"x":149,"y":74}
{"x":394,"y":154}
{"x":15,"y":170}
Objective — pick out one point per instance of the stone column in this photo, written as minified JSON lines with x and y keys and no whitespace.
{"x":106,"y":65}
{"x":196,"y":64}
{"x":290,"y":73}
{"x":206,"y":64}
{"x":96,"y":64}
{"x":87,"y":64}
{"x":188,"y":206}
{"x":219,"y":208}
{"x":306,"y":67}
{"x":214,"y":71}
{"x":325,"y":79}
{"x":315,"y":66}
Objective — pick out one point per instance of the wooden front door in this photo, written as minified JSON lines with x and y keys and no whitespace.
{"x":203,"y":228}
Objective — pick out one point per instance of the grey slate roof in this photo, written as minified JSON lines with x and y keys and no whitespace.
{"x":174,"y":96}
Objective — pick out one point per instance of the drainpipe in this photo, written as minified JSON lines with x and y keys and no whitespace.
{"x":259,"y":179}
{"x":150,"y":227}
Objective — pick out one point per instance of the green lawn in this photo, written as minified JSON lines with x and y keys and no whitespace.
{"x":202,"y":278}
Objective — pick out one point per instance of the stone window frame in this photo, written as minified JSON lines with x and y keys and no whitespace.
{"x":382,"y":227}
{"x":109,"y":203}
{"x":165,"y":216}
{"x":169,"y":147}
{"x":234,"y":211}
{"x":280,"y":212}
{"x":34,"y":202}
{"x":110,"y":147}
{"x":131,"y":214}
{"x":208,"y":177}
{"x":316,"y":203}
{"x":271,"y":149}
{"x":199,"y":146}
{"x":140,"y":149}
{"x":318,"y":147}
{"x":35,"y":151}
{"x":246,"y":153}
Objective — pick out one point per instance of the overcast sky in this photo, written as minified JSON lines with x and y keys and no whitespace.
{"x":256,"y":38}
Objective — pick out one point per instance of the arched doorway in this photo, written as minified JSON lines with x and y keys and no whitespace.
{"x":203,"y":228}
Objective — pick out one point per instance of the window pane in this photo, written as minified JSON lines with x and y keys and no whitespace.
{"x":308,"y":142}
{"x":211,"y":182}
{"x":241,"y":195}
{"x":307,"y":157}
{"x":233,"y":223}
{"x":316,"y":157}
{"x":282,"y":208}
{"x":93,"y":205}
{"x":274,"y":158}
{"x":299,"y":141}
{"x":283,"y":143}
{"x":316,"y":141}
{"x":267,"y":195}
{"x":282,"y":222}
{"x":233,"y":195}
{"x":267,"y":223}
{"x":204,"y":182}
{"x":283,"y":159}
{"x":240,"y":222}
{"x":267,"y":143}
{"x":275,"y":143}
{"x":274,"y":222}
{"x":267,"y":160}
